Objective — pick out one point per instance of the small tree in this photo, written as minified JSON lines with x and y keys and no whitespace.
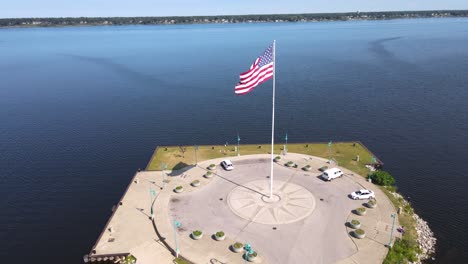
{"x":382,"y":178}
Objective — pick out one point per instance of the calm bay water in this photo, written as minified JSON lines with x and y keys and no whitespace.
{"x":82,"y":108}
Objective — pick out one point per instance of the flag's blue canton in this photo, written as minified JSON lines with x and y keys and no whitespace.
{"x":267,"y":57}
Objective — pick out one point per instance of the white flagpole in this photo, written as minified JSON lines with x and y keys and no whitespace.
{"x":273,"y":120}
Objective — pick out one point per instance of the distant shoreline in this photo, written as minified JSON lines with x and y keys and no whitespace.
{"x":228,"y":19}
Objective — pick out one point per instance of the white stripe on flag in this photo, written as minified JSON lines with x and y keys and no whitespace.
{"x":260,"y":71}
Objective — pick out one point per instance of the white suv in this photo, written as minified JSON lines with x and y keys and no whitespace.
{"x":331,"y":174}
{"x":227,"y":165}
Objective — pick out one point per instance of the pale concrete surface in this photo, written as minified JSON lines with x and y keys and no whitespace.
{"x":290,"y":202}
{"x":319,"y":237}
{"x":132,"y":229}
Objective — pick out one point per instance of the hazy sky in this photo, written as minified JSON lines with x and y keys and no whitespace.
{"x":76,"y":8}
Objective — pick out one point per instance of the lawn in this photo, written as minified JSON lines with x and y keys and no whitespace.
{"x":405,"y":250}
{"x":343,"y":152}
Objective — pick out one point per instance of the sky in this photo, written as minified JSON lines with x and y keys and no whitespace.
{"x":101,"y":8}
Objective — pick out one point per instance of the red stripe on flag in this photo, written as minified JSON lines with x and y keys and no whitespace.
{"x":267,"y":74}
{"x":249,"y":72}
{"x":242,"y":88}
{"x":260,"y":71}
{"x":257,"y":72}
{"x":247,"y":90}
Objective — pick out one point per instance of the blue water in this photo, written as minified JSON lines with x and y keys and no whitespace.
{"x":82,"y":108}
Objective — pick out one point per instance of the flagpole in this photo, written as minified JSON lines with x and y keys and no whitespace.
{"x":273,"y":120}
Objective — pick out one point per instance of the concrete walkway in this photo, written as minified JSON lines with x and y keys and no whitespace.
{"x":318,"y":235}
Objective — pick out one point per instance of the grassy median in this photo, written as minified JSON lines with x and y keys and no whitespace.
{"x":345,"y":153}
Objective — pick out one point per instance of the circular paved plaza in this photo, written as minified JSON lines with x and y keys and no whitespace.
{"x":304,"y":221}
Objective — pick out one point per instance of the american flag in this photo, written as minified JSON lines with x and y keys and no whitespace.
{"x":260,"y":71}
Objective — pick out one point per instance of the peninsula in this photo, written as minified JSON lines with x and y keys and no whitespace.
{"x":185,"y":208}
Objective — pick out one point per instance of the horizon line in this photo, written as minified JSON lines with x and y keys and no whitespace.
{"x":265,"y":14}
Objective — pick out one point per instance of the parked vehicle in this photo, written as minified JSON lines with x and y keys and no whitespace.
{"x":227,"y":165}
{"x":331,"y":174}
{"x":362,"y":194}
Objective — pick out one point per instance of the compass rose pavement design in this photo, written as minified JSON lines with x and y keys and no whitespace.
{"x":290,"y":202}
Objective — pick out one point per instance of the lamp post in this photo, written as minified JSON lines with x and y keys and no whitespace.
{"x":163,"y":167}
{"x":238,"y":140}
{"x":373,"y":161}
{"x":391,"y":231}
{"x":176,"y":225}
{"x":329,"y":151}
{"x":152,"y":199}
{"x":286,"y":146}
{"x":196,"y":158}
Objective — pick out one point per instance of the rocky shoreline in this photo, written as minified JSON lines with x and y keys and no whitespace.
{"x":426,"y":238}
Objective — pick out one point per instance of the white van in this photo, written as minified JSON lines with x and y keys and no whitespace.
{"x":331,"y":174}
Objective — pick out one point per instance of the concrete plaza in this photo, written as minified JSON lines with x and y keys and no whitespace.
{"x":305,"y":223}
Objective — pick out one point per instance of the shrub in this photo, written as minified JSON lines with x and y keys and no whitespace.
{"x":130,"y":259}
{"x":324,"y":168}
{"x":392,"y":189}
{"x":290,"y":163}
{"x":307,"y":166}
{"x":254,"y":254}
{"x":238,"y":245}
{"x":212,"y":165}
{"x":195,"y":183}
{"x":277,"y":158}
{"x":181,"y":260}
{"x":355,"y":222}
{"x":372,"y":202}
{"x":408,"y":209}
{"x":220,"y":234}
{"x":403,"y":251}
{"x":208,"y":173}
{"x":179,"y":188}
{"x":359,"y":231}
{"x":197,"y":233}
{"x":361,"y":209}
{"x":382,"y":178}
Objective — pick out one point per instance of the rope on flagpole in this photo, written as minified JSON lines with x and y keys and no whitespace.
{"x":273,"y":120}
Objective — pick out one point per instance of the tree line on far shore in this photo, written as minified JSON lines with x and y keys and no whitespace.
{"x":72,"y":21}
